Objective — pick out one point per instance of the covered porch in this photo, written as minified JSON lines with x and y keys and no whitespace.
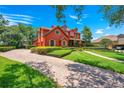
{"x":74,"y":43}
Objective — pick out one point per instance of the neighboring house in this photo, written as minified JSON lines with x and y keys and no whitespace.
{"x":117,"y":41}
{"x":113,"y":38}
{"x":57,"y":36}
{"x":120,"y":42}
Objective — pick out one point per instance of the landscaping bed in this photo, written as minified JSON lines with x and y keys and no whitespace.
{"x":14,"y":74}
{"x":6,"y":48}
{"x":89,"y":59}
{"x":52,"y":51}
{"x":44,"y":50}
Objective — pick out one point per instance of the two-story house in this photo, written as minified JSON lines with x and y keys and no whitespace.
{"x":57,"y":36}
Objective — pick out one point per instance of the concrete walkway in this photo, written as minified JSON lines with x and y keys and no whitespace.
{"x":67,"y":73}
{"x":98,"y":55}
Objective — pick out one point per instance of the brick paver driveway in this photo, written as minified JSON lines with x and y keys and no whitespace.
{"x":67,"y":73}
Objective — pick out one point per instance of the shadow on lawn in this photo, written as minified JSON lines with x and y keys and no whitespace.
{"x":21,"y":76}
{"x":86,"y":76}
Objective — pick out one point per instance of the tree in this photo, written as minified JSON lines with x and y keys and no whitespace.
{"x":19,"y":35}
{"x":61,"y":17}
{"x":86,"y":35}
{"x":114,"y":14}
{"x":104,"y":42}
{"x":3,"y":24}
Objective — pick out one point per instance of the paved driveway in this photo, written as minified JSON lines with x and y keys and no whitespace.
{"x":67,"y":73}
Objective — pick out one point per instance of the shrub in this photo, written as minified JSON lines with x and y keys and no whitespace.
{"x":60,"y":53}
{"x":44,"y":50}
{"x":29,"y":46}
{"x":6,"y":48}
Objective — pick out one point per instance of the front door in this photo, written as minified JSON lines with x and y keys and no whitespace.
{"x":63,"y":43}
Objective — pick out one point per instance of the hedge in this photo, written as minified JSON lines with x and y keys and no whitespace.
{"x":60,"y":53}
{"x":6,"y":48}
{"x":44,"y":50}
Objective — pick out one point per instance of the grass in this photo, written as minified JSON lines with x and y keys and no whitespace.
{"x":60,"y":53}
{"x":108,"y":53}
{"x":95,"y":61}
{"x":14,"y":74}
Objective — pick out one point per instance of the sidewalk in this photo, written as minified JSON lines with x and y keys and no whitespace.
{"x":98,"y":55}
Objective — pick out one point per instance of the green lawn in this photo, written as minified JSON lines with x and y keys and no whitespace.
{"x":95,"y":61}
{"x":60,"y":53}
{"x":13,"y":74}
{"x":109,"y":53}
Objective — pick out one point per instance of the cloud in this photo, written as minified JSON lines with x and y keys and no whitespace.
{"x":73,"y":16}
{"x":19,"y":15}
{"x":79,"y":23}
{"x":107,"y":34}
{"x":108,"y":27}
{"x":94,"y":38}
{"x":85,"y":16}
{"x":99,"y":31}
{"x":14,"y":19}
{"x":12,"y":23}
{"x":20,"y":21}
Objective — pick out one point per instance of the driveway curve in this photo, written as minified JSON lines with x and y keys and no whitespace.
{"x":68,"y":73}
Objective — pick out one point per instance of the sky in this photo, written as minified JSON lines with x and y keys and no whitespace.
{"x":44,"y":16}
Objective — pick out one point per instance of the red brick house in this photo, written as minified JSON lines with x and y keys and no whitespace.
{"x":57,"y":36}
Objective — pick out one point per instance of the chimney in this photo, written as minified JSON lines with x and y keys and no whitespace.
{"x":53,"y":26}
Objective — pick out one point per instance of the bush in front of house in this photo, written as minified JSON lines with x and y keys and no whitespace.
{"x":44,"y":50}
{"x":60,"y":53}
{"x":6,"y":48}
{"x":29,"y":46}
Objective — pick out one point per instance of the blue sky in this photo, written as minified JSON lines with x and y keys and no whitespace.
{"x":44,"y":15}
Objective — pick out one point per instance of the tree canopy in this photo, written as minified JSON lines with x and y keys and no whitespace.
{"x":114,"y":14}
{"x":60,"y":9}
{"x":86,"y":35}
{"x":104,"y":42}
{"x":20,"y":35}
{"x":3,"y":24}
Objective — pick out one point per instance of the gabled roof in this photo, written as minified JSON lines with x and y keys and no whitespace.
{"x":110,"y":37}
{"x":121,"y":36}
{"x":52,"y":29}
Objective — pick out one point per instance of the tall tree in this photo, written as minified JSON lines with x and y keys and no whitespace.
{"x":86,"y":35}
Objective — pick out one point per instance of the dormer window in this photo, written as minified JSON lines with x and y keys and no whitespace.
{"x":57,"y":32}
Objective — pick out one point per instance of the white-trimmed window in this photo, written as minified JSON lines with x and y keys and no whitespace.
{"x":57,"y":32}
{"x":52,"y":42}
